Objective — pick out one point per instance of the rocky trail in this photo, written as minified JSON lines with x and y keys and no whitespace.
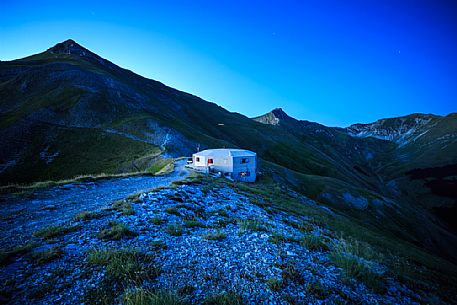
{"x":20,"y":217}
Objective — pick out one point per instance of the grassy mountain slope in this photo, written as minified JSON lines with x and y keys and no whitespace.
{"x":67,"y":111}
{"x":71,"y":87}
{"x":384,"y":194}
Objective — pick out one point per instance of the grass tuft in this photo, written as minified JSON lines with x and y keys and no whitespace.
{"x":116,"y":231}
{"x":216,"y":235}
{"x":277,"y":238}
{"x":7,"y":255}
{"x":86,"y":215}
{"x":45,"y":256}
{"x":357,"y":268}
{"x":314,"y":243}
{"x":143,"y":296}
{"x":174,"y":230}
{"x":252,"y":225}
{"x":55,"y":231}
{"x":193,"y":224}
{"x":274,"y":284}
{"x":172,"y":211}
{"x":157,"y":245}
{"x":157,"y":221}
{"x":125,"y":265}
{"x":123,"y":207}
{"x":290,"y":274}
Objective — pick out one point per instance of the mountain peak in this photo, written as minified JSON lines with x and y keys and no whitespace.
{"x":279,"y":113}
{"x":69,"y":46}
{"x":273,"y":117}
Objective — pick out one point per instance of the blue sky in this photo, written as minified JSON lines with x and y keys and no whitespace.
{"x":333,"y":62}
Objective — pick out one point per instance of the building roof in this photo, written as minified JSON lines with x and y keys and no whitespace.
{"x":226,"y":152}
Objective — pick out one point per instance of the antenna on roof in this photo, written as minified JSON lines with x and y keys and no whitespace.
{"x":198,"y":147}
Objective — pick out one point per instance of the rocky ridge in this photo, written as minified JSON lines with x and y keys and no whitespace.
{"x":400,"y":130}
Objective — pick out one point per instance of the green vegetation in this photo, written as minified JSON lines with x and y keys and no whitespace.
{"x":124,"y":207}
{"x":314,"y":242}
{"x":355,"y":260}
{"x":296,"y":158}
{"x":403,"y":260}
{"x":7,"y":255}
{"x":116,"y":231}
{"x":84,"y":154}
{"x":277,"y":238}
{"x":125,"y":265}
{"x":157,"y":245}
{"x":86,"y":215}
{"x":143,"y":296}
{"x":274,"y":284}
{"x":230,"y":298}
{"x":316,"y":289}
{"x":172,"y":211}
{"x":290,"y":274}
{"x":220,"y":212}
{"x":193,"y":224}
{"x":157,"y":221}
{"x":222,"y":223}
{"x":126,"y":270}
{"x":186,"y":290}
{"x":355,"y":267}
{"x":215,"y":235}
{"x":46,"y":256}
{"x":174,"y":230}
{"x":56,"y":231}
{"x":252,"y":225}
{"x":161,"y":166}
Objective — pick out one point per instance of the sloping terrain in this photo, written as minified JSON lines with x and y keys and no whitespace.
{"x":383,"y":189}
{"x":212,"y":241}
{"x":68,"y":112}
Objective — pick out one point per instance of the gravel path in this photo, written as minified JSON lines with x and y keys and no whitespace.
{"x":20,"y":217}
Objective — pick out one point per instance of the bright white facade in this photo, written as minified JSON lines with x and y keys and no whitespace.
{"x":239,"y":164}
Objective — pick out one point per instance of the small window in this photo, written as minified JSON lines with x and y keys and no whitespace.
{"x":197,"y":159}
{"x":210,"y":161}
{"x":244,"y":160}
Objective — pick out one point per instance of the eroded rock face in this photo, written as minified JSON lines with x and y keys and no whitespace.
{"x":399,"y":130}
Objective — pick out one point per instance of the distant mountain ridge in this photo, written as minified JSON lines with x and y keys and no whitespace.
{"x":68,"y":111}
{"x":399,"y":130}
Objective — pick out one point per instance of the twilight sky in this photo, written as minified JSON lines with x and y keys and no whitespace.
{"x":333,"y":62}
